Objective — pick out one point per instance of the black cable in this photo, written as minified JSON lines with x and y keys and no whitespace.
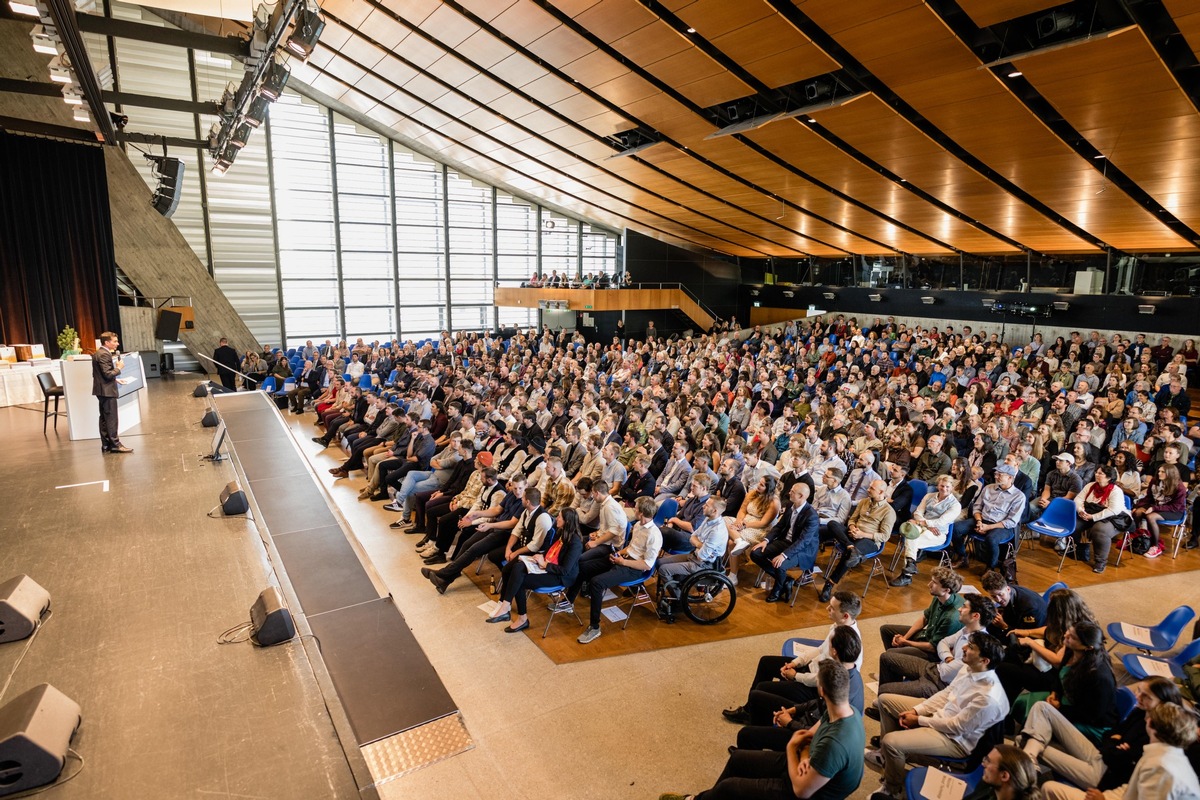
{"x":237,"y":634}
{"x":28,"y":644}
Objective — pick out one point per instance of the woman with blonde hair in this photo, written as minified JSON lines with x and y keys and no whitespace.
{"x":752,"y":522}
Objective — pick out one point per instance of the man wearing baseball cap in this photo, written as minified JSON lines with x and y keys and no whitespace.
{"x":1063,"y":481}
{"x":994,"y":515}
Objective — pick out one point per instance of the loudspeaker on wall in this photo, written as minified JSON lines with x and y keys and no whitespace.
{"x":35,"y":734}
{"x":270,"y":621}
{"x":22,"y":604}
{"x":233,"y":499}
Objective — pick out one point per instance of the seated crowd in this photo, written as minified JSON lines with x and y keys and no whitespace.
{"x":1014,"y":692}
{"x":579,"y":467}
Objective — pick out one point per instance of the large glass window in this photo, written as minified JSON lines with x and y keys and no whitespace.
{"x":367,"y":239}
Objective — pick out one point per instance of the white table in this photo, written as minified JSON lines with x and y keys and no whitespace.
{"x":19,"y":385}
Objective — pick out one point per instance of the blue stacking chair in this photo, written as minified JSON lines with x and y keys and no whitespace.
{"x":1053,"y":588}
{"x":915,"y":780}
{"x":557,"y":595}
{"x":290,"y":352}
{"x":920,"y":489}
{"x":268,"y":384}
{"x":365,"y":381}
{"x":789,"y":646}
{"x":668,"y":509}
{"x":288,"y":385}
{"x":641,"y":597}
{"x":1178,"y":525}
{"x":346,"y":377}
{"x":1124,"y":702}
{"x":1163,"y":636}
{"x":1058,"y":522}
{"x":1134,"y":662}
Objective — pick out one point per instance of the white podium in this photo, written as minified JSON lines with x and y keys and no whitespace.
{"x":83,"y":410}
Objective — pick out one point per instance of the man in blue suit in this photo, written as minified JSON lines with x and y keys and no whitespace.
{"x":791,"y":543}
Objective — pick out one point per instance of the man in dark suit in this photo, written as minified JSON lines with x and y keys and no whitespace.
{"x":791,"y":543}
{"x":105,"y":370}
{"x":227,"y":359}
{"x":901,"y":494}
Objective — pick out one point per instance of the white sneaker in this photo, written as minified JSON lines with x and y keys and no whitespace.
{"x":732,"y":578}
{"x":428,"y":549}
{"x":873,"y":758}
{"x":589,"y":635}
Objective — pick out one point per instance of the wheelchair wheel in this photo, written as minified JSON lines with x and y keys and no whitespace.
{"x":707,"y":597}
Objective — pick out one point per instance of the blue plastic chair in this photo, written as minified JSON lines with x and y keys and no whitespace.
{"x":668,"y":509}
{"x":1125,"y":701}
{"x":557,"y":595}
{"x":1053,"y":588}
{"x":1133,"y":661}
{"x":1163,"y":636}
{"x":916,"y":779}
{"x":789,"y":647}
{"x":346,"y":377}
{"x":289,"y":384}
{"x":1178,"y":525}
{"x":268,"y":384}
{"x":1058,"y":522}
{"x":920,"y":489}
{"x":365,"y":381}
{"x":641,"y":597}
{"x":978,"y":541}
{"x":876,"y":559}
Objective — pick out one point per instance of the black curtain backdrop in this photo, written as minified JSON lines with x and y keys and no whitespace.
{"x":56,"y":250}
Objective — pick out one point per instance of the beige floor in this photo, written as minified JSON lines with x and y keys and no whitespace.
{"x":614,"y":728}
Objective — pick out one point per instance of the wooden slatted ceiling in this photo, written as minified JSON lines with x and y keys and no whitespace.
{"x":989,"y":12}
{"x":888,"y":139}
{"x":1117,"y":93}
{"x":745,"y":161}
{"x":752,"y":34}
{"x":976,"y":111}
{"x":422,"y":121}
{"x":1187,"y":18}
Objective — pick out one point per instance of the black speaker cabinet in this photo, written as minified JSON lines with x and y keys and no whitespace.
{"x":210,"y":419}
{"x":270,"y":621}
{"x":22,"y":604}
{"x":35,"y":732}
{"x":168,"y":325}
{"x":233,"y":499}
{"x":170,"y":184}
{"x":201,"y":389}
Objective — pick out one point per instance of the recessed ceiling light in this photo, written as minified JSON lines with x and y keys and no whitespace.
{"x":1016,"y":73}
{"x":691,"y":30}
{"x":1097,"y":158}
{"x":27,"y":9}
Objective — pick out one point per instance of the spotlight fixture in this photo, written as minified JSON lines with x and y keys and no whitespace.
{"x":1061,"y":305}
{"x":26,"y":9}
{"x":224,"y":162}
{"x":309,"y":24}
{"x":257,"y":112}
{"x":1055,"y":22}
{"x":273,"y":83}
{"x":874,"y":298}
{"x":60,"y":70}
{"x":1016,"y":73}
{"x":81,"y":114}
{"x":241,"y":135}
{"x":1147,"y":309}
{"x":45,"y":40}
{"x":928,"y":300}
{"x":829,"y":296}
{"x":72,"y":96}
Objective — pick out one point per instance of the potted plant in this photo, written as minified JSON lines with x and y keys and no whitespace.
{"x":68,"y":342}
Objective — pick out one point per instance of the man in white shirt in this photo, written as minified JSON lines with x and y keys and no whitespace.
{"x":629,"y":563}
{"x":832,"y":501}
{"x":948,"y":724}
{"x":919,"y":677}
{"x":779,"y":678}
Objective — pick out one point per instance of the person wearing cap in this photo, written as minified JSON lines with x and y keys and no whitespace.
{"x":1063,"y":481}
{"x":995,"y":514}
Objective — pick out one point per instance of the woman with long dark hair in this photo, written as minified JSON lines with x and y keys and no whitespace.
{"x":558,"y":567}
{"x":1084,"y":686}
{"x":1044,"y":648}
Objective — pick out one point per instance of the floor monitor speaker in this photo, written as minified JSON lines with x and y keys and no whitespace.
{"x":22,"y":604}
{"x":35,"y":733}
{"x":233,"y":499}
{"x":210,"y":419}
{"x":270,"y":621}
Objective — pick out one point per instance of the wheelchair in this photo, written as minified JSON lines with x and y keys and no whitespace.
{"x":706,"y":597}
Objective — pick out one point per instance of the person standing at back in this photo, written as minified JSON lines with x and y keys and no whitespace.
{"x":105,"y":369}
{"x":227,"y":359}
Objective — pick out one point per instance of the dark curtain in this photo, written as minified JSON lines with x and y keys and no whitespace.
{"x":56,"y":250}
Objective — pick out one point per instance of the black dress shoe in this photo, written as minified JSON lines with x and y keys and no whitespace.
{"x":320,"y":441}
{"x":774,"y":596}
{"x":904,"y":580}
{"x":739,"y":715}
{"x":122,"y":449}
{"x":854,"y":559}
{"x":826,"y":592}
{"x":872,"y":712}
{"x":437,"y":558}
{"x":1192,"y":543}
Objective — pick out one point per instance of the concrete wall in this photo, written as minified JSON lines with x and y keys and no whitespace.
{"x":156,"y":257}
{"x":137,"y":329}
